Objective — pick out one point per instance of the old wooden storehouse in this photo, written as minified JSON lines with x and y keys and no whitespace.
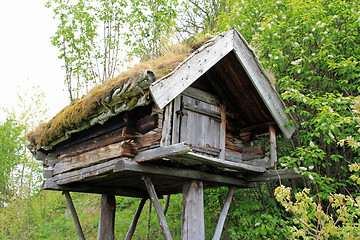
{"x":145,"y":136}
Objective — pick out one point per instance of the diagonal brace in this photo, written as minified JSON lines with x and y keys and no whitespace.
{"x":74,"y":215}
{"x":159,"y":211}
{"x":223,"y":214}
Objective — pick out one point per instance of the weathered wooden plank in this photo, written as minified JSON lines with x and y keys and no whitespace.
{"x":222,"y":132}
{"x":201,"y":95}
{"x":261,"y":81}
{"x":206,"y":150}
{"x":233,"y":156}
{"x":150,"y":139}
{"x":170,"y":86}
{"x":107,"y":217}
{"x":83,"y":173}
{"x":49,"y":184}
{"x":129,"y":165}
{"x":132,"y":227}
{"x":108,"y":137}
{"x":74,"y":215}
{"x":159,"y":211}
{"x":175,"y":133}
{"x":271,"y":175}
{"x":48,"y":173}
{"x":250,"y":153}
{"x":94,"y":157}
{"x":223,"y":214}
{"x":158,"y":153}
{"x":201,"y":110}
{"x":197,"y":128}
{"x":223,"y":163}
{"x":273,"y":154}
{"x":166,"y":136}
{"x":116,"y":123}
{"x":147,"y":123}
{"x":182,"y":152}
{"x":263,"y":162}
{"x":193,"y":226}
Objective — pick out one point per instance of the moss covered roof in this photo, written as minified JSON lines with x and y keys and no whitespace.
{"x":123,"y":93}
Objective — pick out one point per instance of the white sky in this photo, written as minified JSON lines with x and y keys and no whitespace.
{"x":26,"y":53}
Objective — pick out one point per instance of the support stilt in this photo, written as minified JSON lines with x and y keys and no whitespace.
{"x":74,"y":215}
{"x":223,"y":214}
{"x":107,"y":217}
{"x":157,"y":206}
{"x":193,"y":226}
{"x":273,"y":154}
{"x":132,"y":227}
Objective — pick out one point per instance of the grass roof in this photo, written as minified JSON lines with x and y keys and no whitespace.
{"x":123,"y":93}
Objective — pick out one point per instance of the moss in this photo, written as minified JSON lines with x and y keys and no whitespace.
{"x":78,"y":115}
{"x":133,"y":102}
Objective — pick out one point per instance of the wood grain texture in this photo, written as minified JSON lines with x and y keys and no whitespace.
{"x":74,"y":215}
{"x":107,"y":217}
{"x":97,"y":170}
{"x":133,"y":224}
{"x":159,"y":211}
{"x":223,"y":214}
{"x":167,"y":151}
{"x":273,"y":152}
{"x":193,"y":226}
{"x":261,"y":81}
{"x":182,"y":173}
{"x":95,"y":156}
{"x":170,"y":86}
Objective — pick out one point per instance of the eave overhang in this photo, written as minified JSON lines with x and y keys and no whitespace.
{"x":205,"y":58}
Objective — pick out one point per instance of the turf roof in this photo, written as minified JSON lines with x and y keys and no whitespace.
{"x":125,"y":92}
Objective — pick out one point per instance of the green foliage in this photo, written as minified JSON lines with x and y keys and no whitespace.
{"x":253,"y":214}
{"x":88,"y":38}
{"x":11,"y":154}
{"x":151,"y":23}
{"x":340,"y":218}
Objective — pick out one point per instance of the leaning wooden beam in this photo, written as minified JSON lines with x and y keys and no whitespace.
{"x":158,"y":209}
{"x":74,"y":215}
{"x":131,"y":166}
{"x":107,"y":217}
{"x":193,"y":225}
{"x":223,"y":215}
{"x":273,"y":155}
{"x":184,"y":153}
{"x":166,"y":151}
{"x":223,"y":163}
{"x":167,"y":202}
{"x":132,"y":227}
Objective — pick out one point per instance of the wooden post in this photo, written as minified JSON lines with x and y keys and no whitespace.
{"x":223,"y":215}
{"x":74,"y":215}
{"x":193,"y":226}
{"x":273,"y":155}
{"x":222,"y":132}
{"x":132,"y":227}
{"x":107,"y":217}
{"x":158,"y":209}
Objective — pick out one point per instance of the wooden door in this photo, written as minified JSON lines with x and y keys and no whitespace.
{"x":197,"y":120}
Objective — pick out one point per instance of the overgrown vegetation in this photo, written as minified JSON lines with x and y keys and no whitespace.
{"x":311,"y":47}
